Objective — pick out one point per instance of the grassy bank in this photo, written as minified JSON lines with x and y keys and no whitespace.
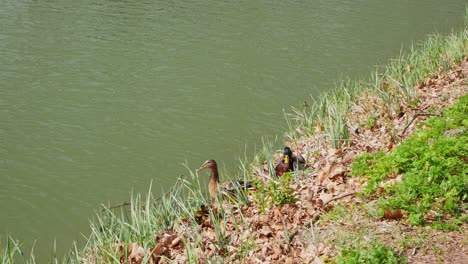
{"x":381,"y":179}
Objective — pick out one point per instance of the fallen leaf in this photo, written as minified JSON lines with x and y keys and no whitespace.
{"x":349,"y":157}
{"x":393,"y":215}
{"x":324,"y":172}
{"x":136,"y":253}
{"x":318,"y":203}
{"x":325,"y":197}
{"x":337,"y":171}
{"x":308,"y":254}
{"x":317,"y":260}
{"x":266,"y":231}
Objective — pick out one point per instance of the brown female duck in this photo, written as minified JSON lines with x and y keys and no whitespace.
{"x":227,"y":187}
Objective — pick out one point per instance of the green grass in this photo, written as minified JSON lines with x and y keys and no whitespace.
{"x":434,"y":168}
{"x":373,"y":254}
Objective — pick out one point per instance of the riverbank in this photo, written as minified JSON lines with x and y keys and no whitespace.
{"x":332,"y":211}
{"x":324,"y":213}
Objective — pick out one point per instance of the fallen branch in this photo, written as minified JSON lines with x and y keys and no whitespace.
{"x":338,"y":197}
{"x":118,"y":205}
{"x":414,"y":118}
{"x":180,"y":179}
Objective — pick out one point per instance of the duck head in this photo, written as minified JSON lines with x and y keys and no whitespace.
{"x":209,"y":164}
{"x":288,"y":158}
{"x":287,"y":155}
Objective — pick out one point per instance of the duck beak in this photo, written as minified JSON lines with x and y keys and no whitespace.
{"x":201,"y":168}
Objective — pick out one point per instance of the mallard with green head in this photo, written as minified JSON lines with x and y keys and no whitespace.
{"x":289,"y":162}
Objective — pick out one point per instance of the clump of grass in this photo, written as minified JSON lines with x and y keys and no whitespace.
{"x":147,"y":218}
{"x":141,"y":223}
{"x":328,"y":113}
{"x":374,"y":253}
{"x":11,"y":251}
{"x":433,"y":165}
{"x":385,"y":91}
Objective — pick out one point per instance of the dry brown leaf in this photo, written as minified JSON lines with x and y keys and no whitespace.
{"x":266,"y":231}
{"x":318,"y":203}
{"x":175,"y":242}
{"x":279,"y":234}
{"x":325,"y":197}
{"x":349,"y":157}
{"x":210,"y":234}
{"x":157,"y":252}
{"x":393,"y":215}
{"x":317,"y":260}
{"x":308,"y":254}
{"x":310,"y":210}
{"x":338,"y":170}
{"x":324,"y":172}
{"x":136,"y":253}
{"x":264,"y":250}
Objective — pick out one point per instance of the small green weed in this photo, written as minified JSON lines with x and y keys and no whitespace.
{"x":275,"y":192}
{"x":374,"y":254}
{"x":371,"y":122}
{"x":434,"y":168}
{"x":339,"y":213}
{"x":246,"y":248}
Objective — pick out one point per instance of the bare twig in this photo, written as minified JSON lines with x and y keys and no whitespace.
{"x":159,"y":198}
{"x":118,"y":205}
{"x":414,"y":118}
{"x":338,"y":197}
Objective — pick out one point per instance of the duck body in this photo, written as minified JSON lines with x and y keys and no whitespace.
{"x":228,"y":187}
{"x":286,"y":164}
{"x":289,"y":162}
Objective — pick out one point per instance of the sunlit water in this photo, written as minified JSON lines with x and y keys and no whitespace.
{"x":99,"y":98}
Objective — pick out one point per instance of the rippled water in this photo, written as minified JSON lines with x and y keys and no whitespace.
{"x":99,"y":98}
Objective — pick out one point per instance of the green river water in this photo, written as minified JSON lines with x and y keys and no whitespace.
{"x":99,"y":98}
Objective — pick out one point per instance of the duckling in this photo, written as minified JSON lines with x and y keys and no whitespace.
{"x":289,"y":162}
{"x":202,"y":214}
{"x":227,"y":187}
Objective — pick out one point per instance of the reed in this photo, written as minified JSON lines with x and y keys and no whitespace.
{"x":383,"y":92}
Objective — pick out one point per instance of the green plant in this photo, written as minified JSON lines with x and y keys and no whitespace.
{"x":371,"y":121}
{"x":275,"y":192}
{"x":11,"y":251}
{"x":338,"y":213}
{"x":376,"y":253}
{"x":433,"y":165}
{"x":245,"y":248}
